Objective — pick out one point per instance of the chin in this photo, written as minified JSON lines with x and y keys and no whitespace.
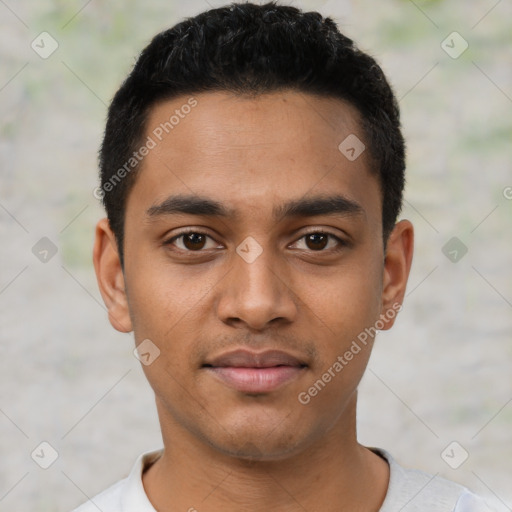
{"x":258,"y":442}
{"x":255,"y":450}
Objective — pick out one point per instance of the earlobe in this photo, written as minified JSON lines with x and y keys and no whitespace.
{"x":397,"y":265}
{"x":109,"y":275}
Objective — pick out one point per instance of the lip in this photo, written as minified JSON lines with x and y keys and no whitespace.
{"x":255,"y":372}
{"x":248,"y":359}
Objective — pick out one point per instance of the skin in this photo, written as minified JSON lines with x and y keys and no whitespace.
{"x":225,"y":449}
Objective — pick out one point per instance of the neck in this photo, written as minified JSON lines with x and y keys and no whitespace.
{"x":333,"y":473}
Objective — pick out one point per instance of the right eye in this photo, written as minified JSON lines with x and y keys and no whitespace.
{"x":190,"y":241}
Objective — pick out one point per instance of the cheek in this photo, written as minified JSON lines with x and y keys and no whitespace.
{"x":348,"y":301}
{"x":165,"y":297}
{"x":344,"y":339}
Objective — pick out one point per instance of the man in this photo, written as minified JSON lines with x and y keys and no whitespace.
{"x":252,"y":171}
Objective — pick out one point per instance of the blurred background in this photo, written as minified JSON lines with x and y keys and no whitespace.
{"x":438,"y":390}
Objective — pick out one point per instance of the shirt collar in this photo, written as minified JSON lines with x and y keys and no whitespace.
{"x":134,"y":497}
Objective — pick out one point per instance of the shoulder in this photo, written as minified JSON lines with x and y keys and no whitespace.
{"x":127,"y":495}
{"x":108,"y":501}
{"x":469,"y":502}
{"x":412,"y":490}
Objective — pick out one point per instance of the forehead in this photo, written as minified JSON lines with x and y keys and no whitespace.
{"x":221,"y":120}
{"x":250,"y":153}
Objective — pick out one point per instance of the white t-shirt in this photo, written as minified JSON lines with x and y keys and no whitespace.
{"x":409,"y":490}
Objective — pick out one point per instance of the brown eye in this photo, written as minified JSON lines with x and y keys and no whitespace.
{"x":321,"y":241}
{"x":194,"y":241}
{"x":191,"y":241}
{"x":317,"y":241}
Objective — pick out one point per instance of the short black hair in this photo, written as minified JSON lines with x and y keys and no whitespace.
{"x":252,"y":49}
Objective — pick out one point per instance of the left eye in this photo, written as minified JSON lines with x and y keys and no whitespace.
{"x":319,"y":240}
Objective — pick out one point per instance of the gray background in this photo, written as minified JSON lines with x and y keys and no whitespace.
{"x":442,"y":374}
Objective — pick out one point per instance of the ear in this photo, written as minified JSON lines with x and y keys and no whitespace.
{"x":110,"y":277}
{"x":397,"y":264}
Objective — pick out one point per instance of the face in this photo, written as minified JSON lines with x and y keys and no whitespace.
{"x":253,"y":261}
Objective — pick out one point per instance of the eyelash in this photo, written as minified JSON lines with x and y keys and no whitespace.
{"x":341,"y":243}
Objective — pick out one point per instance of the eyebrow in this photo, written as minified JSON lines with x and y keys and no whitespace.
{"x":303,"y":207}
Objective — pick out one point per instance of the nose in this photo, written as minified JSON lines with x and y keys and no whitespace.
{"x":256,"y":293}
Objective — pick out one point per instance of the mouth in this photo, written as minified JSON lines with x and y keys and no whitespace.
{"x":251,"y":372}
